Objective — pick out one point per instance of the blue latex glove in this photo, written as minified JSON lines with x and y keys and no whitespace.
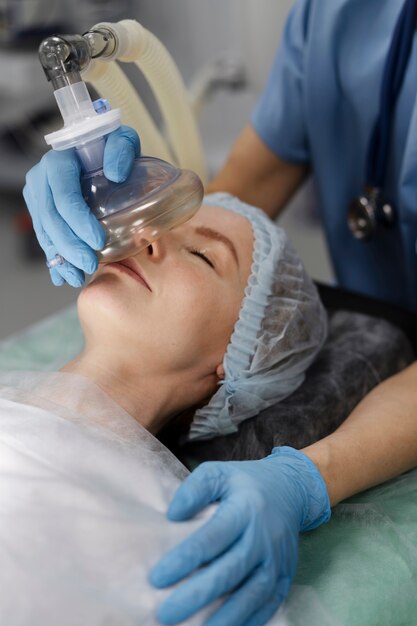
{"x":250,"y":545}
{"x":62,"y":221}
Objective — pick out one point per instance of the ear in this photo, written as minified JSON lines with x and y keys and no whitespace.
{"x":220,"y":372}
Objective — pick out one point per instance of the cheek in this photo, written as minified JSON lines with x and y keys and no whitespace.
{"x":188,"y":319}
{"x":204,"y":311}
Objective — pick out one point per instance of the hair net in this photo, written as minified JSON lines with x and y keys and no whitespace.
{"x":281,"y":327}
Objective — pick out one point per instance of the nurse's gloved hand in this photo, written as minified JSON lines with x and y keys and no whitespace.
{"x":249,"y":547}
{"x":62,"y":221}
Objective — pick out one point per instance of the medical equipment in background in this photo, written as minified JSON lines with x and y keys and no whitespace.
{"x":21,"y":19}
{"x":27,"y":110}
{"x":225,"y":72}
{"x":371,"y":208}
{"x":157,"y":196}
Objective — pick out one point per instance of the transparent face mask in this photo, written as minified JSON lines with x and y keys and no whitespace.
{"x":156,"y":198}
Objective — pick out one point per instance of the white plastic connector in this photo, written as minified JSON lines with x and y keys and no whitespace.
{"x":128,"y":37}
{"x":89,"y":130}
{"x":82,"y":123}
{"x":136,"y":40}
{"x":75,"y":103}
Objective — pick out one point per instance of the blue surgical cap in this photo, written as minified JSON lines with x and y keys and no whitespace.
{"x":281,"y":327}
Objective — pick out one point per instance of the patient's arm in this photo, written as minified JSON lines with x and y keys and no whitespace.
{"x":377,"y":441}
{"x":256,"y":175}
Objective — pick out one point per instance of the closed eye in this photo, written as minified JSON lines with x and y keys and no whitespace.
{"x":202,"y":256}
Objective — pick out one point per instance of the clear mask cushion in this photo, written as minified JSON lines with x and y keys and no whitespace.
{"x":156,"y":198}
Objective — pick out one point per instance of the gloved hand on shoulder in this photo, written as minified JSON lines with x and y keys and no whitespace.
{"x":249,"y":547}
{"x":62,"y":221}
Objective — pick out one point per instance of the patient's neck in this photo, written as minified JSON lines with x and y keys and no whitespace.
{"x":147,"y":398}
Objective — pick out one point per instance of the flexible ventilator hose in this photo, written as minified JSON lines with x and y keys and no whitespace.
{"x":111,"y":82}
{"x":138,"y":45}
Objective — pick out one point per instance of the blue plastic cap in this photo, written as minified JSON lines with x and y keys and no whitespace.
{"x":101,"y":105}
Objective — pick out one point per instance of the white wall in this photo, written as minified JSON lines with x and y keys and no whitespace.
{"x":196,"y":31}
{"x":261,"y":23}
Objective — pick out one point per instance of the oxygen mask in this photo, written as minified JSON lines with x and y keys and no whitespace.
{"x":156,"y":197}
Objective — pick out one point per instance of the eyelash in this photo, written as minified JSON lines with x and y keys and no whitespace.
{"x":202,"y":256}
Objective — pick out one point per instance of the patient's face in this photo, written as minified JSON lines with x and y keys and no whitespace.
{"x":182,"y":312}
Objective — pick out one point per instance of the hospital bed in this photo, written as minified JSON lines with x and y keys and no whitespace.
{"x":361,"y":568}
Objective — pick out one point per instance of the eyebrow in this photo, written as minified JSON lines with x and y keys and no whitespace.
{"x":216,"y":236}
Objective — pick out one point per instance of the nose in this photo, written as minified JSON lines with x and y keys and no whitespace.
{"x":157,"y":250}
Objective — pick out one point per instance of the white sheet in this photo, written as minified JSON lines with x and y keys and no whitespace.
{"x":83,"y":494}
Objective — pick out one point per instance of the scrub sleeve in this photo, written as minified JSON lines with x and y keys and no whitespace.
{"x":278,"y":118}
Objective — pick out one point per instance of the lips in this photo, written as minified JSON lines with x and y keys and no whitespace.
{"x":132,"y":269}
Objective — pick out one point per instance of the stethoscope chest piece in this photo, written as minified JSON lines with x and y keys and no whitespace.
{"x":366,"y":212}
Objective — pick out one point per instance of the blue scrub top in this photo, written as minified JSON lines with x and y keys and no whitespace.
{"x":320,"y":106}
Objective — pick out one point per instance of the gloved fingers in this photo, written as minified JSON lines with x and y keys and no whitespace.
{"x":48,"y":223}
{"x":205,"y":544}
{"x":70,"y":247}
{"x":210,"y":583}
{"x":57,"y":177}
{"x":204,"y":485}
{"x":61,"y":273}
{"x":63,"y":171}
{"x":56,"y":278}
{"x":122,"y":148}
{"x":66,"y":273}
{"x":70,"y":274}
{"x":245,"y":601}
{"x":75,"y":251}
{"x":264,"y":614}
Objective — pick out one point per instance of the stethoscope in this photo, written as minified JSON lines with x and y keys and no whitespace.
{"x":370,"y":210}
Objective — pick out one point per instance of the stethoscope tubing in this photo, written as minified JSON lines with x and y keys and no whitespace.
{"x":394,"y":72}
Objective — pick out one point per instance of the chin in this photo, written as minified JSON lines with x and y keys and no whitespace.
{"x":103,"y":304}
